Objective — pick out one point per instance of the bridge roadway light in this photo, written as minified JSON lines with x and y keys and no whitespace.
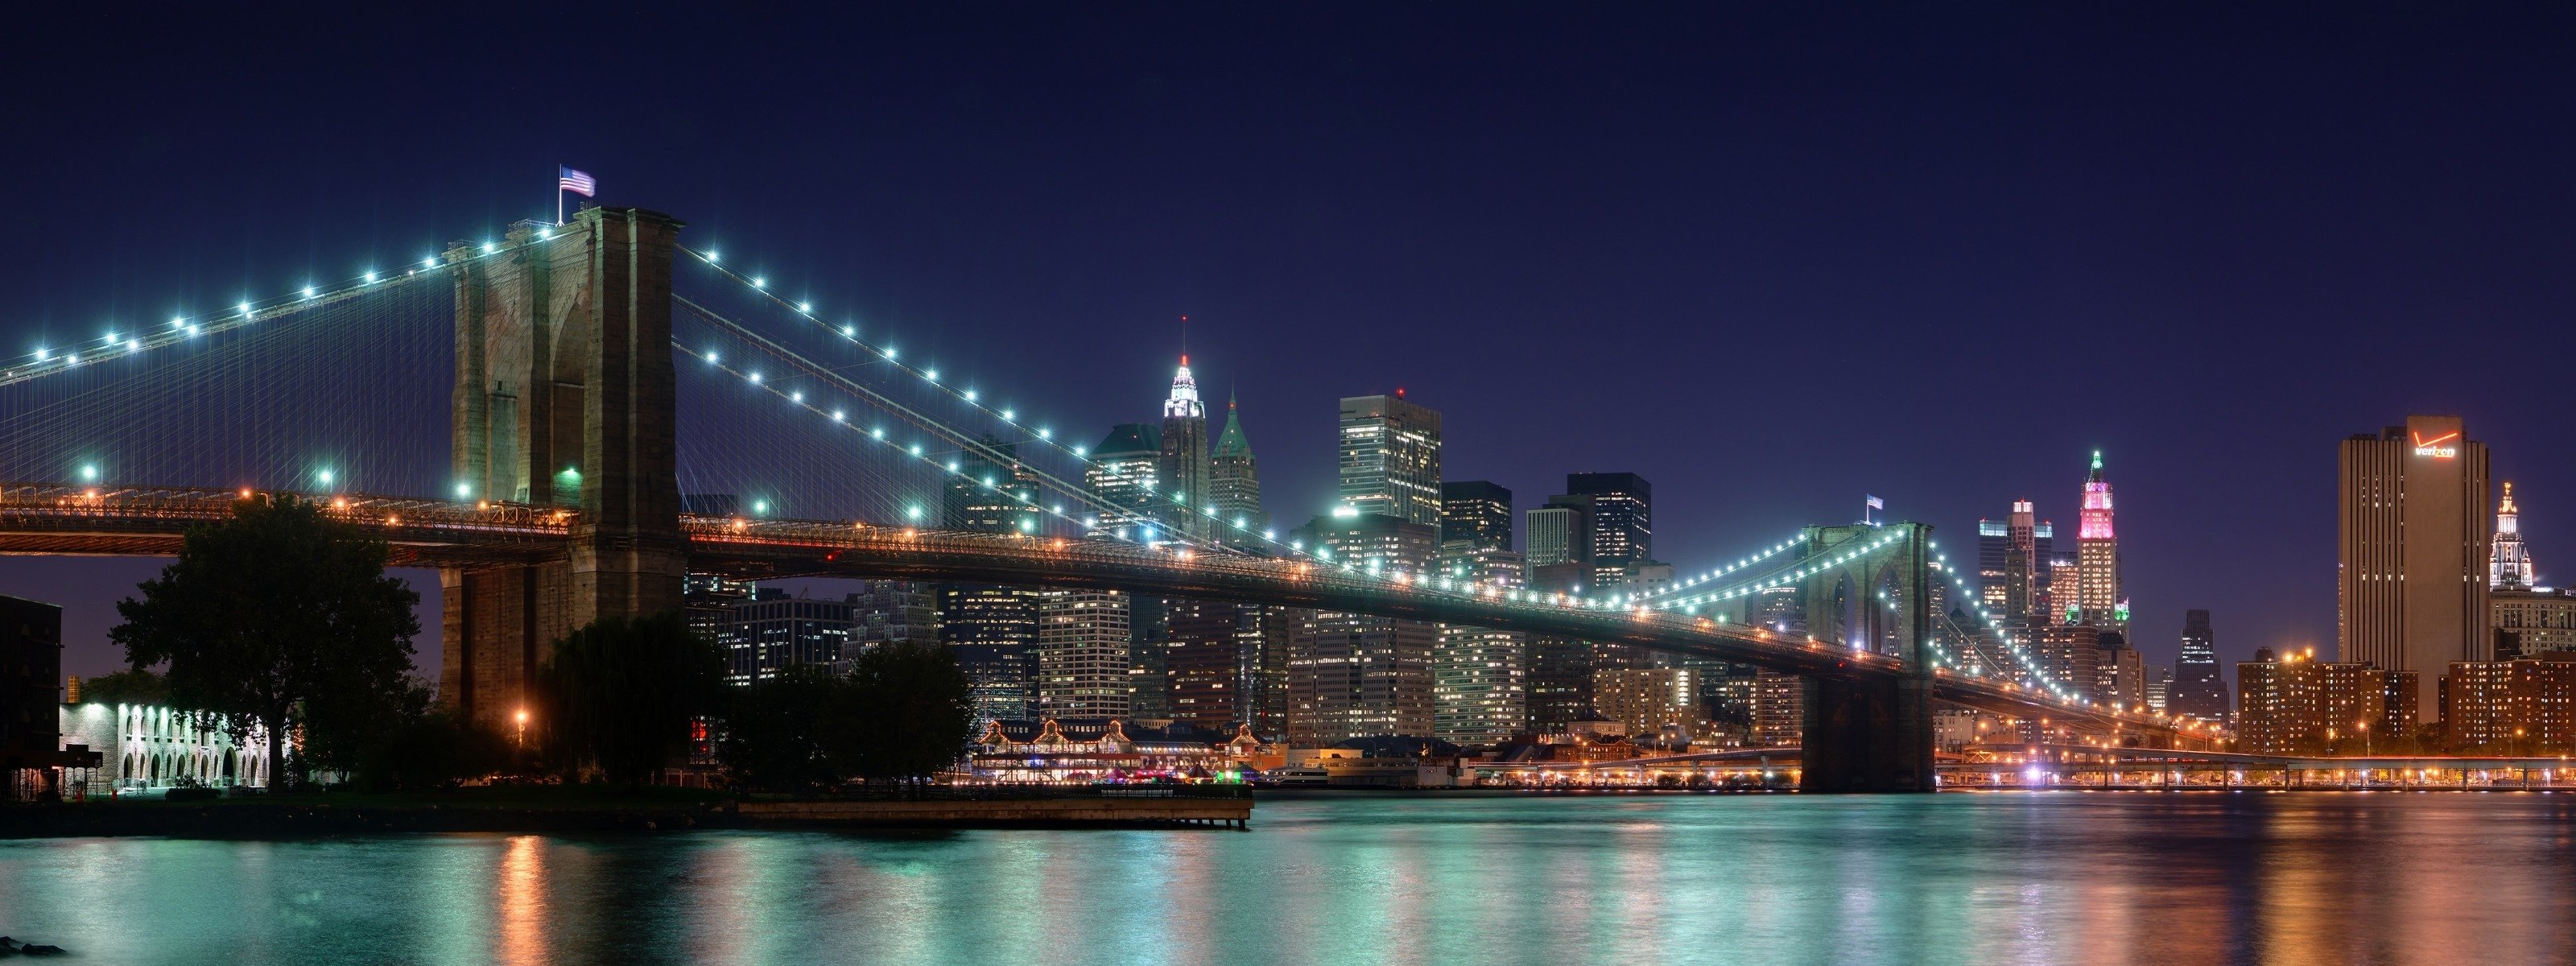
{"x":489,"y":248}
{"x":759,"y":282}
{"x":912,"y":513}
{"x":712,"y":258}
{"x":430,"y":262}
{"x":805,"y":307}
{"x":849,"y":332}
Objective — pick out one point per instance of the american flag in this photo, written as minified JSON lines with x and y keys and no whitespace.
{"x":577,"y":182}
{"x":1877,"y":504}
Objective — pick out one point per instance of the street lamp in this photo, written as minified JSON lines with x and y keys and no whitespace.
{"x":2365,"y":737}
{"x":523,"y":729}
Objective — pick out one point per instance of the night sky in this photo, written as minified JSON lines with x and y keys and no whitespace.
{"x":1774,"y":259}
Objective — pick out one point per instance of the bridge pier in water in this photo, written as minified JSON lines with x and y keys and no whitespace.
{"x":1871,"y":734}
{"x":564,"y":397}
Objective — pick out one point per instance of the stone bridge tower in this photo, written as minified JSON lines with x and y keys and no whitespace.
{"x":1871,"y":736}
{"x":563,"y":398}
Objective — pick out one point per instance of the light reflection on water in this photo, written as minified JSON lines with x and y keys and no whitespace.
{"x":2012,"y":878}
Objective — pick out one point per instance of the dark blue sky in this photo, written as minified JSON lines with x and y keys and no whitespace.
{"x":1774,"y":258}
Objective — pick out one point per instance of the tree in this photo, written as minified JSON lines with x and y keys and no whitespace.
{"x":274,"y":612}
{"x":906,"y":714}
{"x":772,"y":739}
{"x":621,"y":693}
{"x":130,"y":686}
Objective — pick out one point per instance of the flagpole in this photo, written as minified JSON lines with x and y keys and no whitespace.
{"x":558,"y":202}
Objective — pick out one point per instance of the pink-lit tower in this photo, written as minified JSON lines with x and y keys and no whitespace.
{"x":2097,"y":557}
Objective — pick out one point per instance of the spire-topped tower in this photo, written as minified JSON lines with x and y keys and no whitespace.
{"x":1184,"y":500}
{"x":1184,"y":400}
{"x":1234,"y":482}
{"x":2509,"y":564}
{"x":2097,"y":557}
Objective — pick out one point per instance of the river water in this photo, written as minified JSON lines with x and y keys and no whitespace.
{"x":2056,"y":877}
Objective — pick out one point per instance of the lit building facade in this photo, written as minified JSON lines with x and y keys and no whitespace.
{"x":1779,"y":710}
{"x":2509,"y":564}
{"x":2411,"y":591}
{"x":2098,"y":599}
{"x":2296,"y":704}
{"x":894,"y":612}
{"x":2522,"y":707}
{"x":1357,"y":675}
{"x":2199,"y":690}
{"x":1234,"y":476}
{"x":762,"y":637}
{"x":1558,"y":534}
{"x":1479,"y":676}
{"x":1652,"y":702}
{"x":1390,"y":458}
{"x":2532,"y":622}
{"x":993,"y":630}
{"x":2012,"y":563}
{"x":149,"y":746}
{"x":1183,"y":458}
{"x":1082,"y":654}
{"x":1126,"y":472}
{"x":1620,"y":507}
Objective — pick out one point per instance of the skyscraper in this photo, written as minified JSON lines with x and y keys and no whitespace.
{"x":1479,"y":676}
{"x":1355,"y":675}
{"x":1125,"y":472}
{"x":2198,"y":691}
{"x":1474,"y":515}
{"x":1622,"y":518}
{"x":1234,"y":480}
{"x":1082,"y":654}
{"x":1390,"y":458}
{"x":2509,"y":565}
{"x":1184,"y":458}
{"x":2411,"y":593}
{"x":2097,"y":554}
{"x":1559,"y":534}
{"x":990,"y":627}
{"x":995,"y":494}
{"x":2012,"y":562}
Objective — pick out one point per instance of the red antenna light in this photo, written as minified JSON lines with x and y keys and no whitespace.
{"x":1399,"y":392}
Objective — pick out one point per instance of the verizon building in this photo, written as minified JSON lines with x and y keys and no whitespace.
{"x":2412,"y":591}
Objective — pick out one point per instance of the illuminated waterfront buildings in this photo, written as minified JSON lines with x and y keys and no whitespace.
{"x":2294,"y":703}
{"x":2518,"y":707}
{"x":1653,"y":703}
{"x":2527,"y":620}
{"x":2411,"y":592}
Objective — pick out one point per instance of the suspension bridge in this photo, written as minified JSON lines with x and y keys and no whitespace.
{"x":623,"y":409}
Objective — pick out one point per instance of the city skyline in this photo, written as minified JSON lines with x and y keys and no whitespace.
{"x":1384,"y":276}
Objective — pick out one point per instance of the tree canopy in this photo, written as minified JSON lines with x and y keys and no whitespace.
{"x":279,"y":617}
{"x":622,"y":693}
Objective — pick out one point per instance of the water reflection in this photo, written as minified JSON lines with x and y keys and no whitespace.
{"x":2005,"y":878}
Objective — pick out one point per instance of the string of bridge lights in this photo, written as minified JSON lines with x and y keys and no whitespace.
{"x":887,"y":353}
{"x":1800,"y":570}
{"x":121,"y":343}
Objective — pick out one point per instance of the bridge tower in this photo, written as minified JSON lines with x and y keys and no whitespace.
{"x":563,"y":398}
{"x":1870,"y":736}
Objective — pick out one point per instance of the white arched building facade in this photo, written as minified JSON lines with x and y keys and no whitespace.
{"x":149,"y":746}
